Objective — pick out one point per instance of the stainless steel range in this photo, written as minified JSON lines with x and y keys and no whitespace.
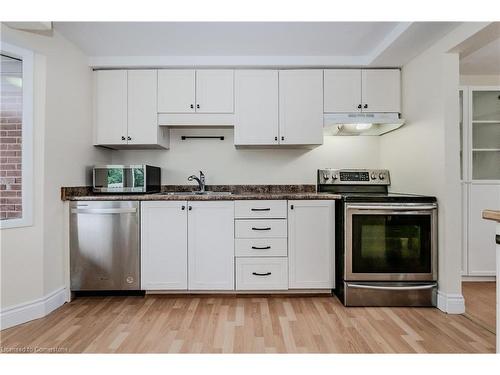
{"x":386,"y":243}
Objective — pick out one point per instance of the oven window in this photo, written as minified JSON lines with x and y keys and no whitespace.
{"x":391,"y":243}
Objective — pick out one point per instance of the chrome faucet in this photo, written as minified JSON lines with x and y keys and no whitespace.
{"x":201,"y":181}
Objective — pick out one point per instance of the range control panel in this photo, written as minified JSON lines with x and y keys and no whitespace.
{"x":329,"y":176}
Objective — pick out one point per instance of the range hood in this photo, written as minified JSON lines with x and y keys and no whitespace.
{"x":360,"y":123}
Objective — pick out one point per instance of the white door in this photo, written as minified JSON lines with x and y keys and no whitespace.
{"x":215,"y":91}
{"x":342,"y":90}
{"x":256,"y":107}
{"x":164,"y":245}
{"x":311,"y":246}
{"x":111,"y":107}
{"x":142,"y":112}
{"x":176,"y":90}
{"x":211,"y":245}
{"x":301,"y":107}
{"x":481,"y":242}
{"x":381,"y":90}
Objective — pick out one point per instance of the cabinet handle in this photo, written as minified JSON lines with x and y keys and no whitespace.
{"x":197,"y":106}
{"x":192,"y":106}
{"x":183,"y":208}
{"x":359,"y":106}
{"x":129,"y":138}
{"x":190,"y":208}
{"x":365,"y":106}
{"x":268,"y":228}
{"x":123,"y":138}
{"x":291,"y":207}
{"x":261,"y":274}
{"x":261,"y":209}
{"x":275,"y":138}
{"x":261,"y":248}
{"x":282,"y":138}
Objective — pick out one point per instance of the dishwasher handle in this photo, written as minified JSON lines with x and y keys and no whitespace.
{"x":103,"y":211}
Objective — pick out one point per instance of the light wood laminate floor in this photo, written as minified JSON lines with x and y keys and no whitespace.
{"x":239,"y":324}
{"x":480,"y":303}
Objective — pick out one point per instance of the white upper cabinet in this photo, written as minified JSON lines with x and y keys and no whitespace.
{"x":211,"y":245}
{"x":164,"y":245}
{"x":215,"y":91}
{"x":190,"y":91}
{"x":342,"y":90}
{"x":311,"y":245}
{"x":362,"y":90}
{"x":142,"y":116}
{"x":256,"y":107}
{"x":176,"y":90}
{"x":381,"y":90}
{"x":111,"y":107}
{"x":301,"y":107}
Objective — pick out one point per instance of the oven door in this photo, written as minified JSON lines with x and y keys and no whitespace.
{"x":391,"y":242}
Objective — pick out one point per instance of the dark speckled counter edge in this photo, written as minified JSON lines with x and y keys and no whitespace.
{"x":239,"y":192}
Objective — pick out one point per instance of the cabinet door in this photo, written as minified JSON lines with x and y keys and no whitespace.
{"x":481,"y":241}
{"x":381,"y":90}
{"x":342,"y":90}
{"x":256,"y":107}
{"x":142,"y":112}
{"x":211,"y":245}
{"x":111,"y":107}
{"x":301,"y":107}
{"x":311,"y":249}
{"x":176,"y":90}
{"x":215,"y":91}
{"x":164,"y":245}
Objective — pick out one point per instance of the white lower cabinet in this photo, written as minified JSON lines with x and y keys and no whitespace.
{"x":164,"y":236}
{"x":262,"y":273}
{"x":211,"y":245}
{"x":311,"y":248}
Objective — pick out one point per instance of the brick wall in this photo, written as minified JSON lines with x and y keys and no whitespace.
{"x":10,"y":143}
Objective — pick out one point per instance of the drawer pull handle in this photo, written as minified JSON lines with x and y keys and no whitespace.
{"x":261,"y":248}
{"x":268,"y":228}
{"x":261,"y":274}
{"x":261,"y":209}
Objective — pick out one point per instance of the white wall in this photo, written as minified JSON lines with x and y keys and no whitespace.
{"x":480,"y":80}
{"x":32,"y":258}
{"x":423,"y":154}
{"x":222,"y":163}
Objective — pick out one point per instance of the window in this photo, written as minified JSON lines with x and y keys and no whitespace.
{"x":16,"y":145}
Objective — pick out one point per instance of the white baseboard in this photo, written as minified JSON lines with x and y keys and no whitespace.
{"x":36,"y":309}
{"x":450,"y":303}
{"x":478,"y":278}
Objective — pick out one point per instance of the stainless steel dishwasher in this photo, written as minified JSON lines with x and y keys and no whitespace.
{"x":104,"y":245}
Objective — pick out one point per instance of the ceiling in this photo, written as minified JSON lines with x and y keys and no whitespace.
{"x":252,"y":43}
{"x":483,"y":61}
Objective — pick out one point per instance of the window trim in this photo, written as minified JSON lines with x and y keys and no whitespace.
{"x":27,"y":57}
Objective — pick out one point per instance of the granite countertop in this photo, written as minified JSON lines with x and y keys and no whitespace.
{"x":239,"y":192}
{"x":491,"y":215}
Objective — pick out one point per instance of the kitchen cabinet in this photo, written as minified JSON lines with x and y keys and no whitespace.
{"x":256,"y":107}
{"x":211,"y":245}
{"x":111,"y":107}
{"x":195,"y":91}
{"x":125,"y":110}
{"x":481,"y":244}
{"x":362,"y":90}
{"x":311,"y":244}
{"x":301,"y":107}
{"x":261,"y":273}
{"x":164,"y":236}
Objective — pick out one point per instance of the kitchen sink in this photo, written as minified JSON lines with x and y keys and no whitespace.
{"x":196,"y":193}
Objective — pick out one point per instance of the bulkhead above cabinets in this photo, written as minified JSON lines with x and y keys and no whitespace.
{"x":266,"y":107}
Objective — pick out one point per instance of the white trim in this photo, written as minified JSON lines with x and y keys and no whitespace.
{"x":27,"y":58}
{"x":36,"y":309}
{"x":479,"y":279}
{"x":450,"y":303}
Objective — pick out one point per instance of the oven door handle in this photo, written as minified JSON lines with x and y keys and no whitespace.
{"x":416,"y":287}
{"x":390,"y":207}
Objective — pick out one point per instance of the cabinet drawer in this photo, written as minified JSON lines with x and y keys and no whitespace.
{"x":260,"y":209}
{"x":260,"y":228}
{"x":260,"y":247}
{"x":261,"y":273}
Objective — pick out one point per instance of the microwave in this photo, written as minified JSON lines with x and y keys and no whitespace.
{"x":126,"y":179}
